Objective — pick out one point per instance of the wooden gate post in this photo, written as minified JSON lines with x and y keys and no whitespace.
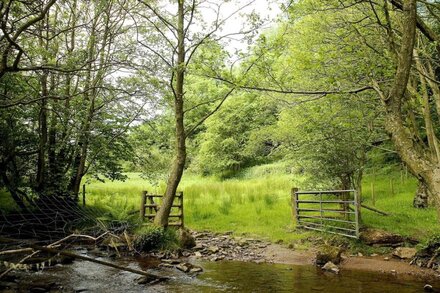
{"x":294,"y":197}
{"x":143,"y":202}
{"x":181,"y":210}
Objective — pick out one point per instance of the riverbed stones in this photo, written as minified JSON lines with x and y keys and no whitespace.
{"x":405,"y":252}
{"x":215,"y":247}
{"x":328,"y":254}
{"x":184,"y":267}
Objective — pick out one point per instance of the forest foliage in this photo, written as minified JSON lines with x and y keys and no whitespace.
{"x":100,"y":88}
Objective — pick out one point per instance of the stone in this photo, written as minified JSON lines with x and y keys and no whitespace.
{"x":386,"y":258}
{"x":328,"y":254}
{"x":184,"y":267}
{"x":195,"y":270}
{"x":331,"y":267}
{"x":186,"y":240}
{"x":166,"y":265}
{"x":171,"y":261}
{"x":197,"y":254}
{"x":198,"y":247}
{"x":405,"y":252}
{"x":150,"y":280}
{"x":360,"y":254}
{"x":213,"y":249}
{"x":380,"y":237}
{"x":374,"y":254}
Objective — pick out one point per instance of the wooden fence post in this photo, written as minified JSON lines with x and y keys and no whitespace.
{"x":181,"y":210}
{"x":392,"y":186}
{"x":143,"y":202}
{"x":84,"y":195}
{"x":294,"y":197}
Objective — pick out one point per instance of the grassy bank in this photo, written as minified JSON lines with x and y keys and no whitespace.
{"x":258,"y":202}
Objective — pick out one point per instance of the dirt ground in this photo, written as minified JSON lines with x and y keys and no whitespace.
{"x":280,"y":254}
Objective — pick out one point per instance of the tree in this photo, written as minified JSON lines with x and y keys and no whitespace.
{"x":177,"y":42}
{"x":64,"y":111}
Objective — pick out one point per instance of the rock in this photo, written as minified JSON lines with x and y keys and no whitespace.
{"x":428,"y":288}
{"x":216,"y":258}
{"x":380,"y":237}
{"x":386,"y":258}
{"x":195,"y":270}
{"x":198,"y":247}
{"x":373,"y":254}
{"x":171,"y":261}
{"x":186,"y":240}
{"x":405,"y":252}
{"x":213,"y":249}
{"x":150,"y":280}
{"x":331,"y":267}
{"x":242,"y":242}
{"x":360,"y":254}
{"x":197,"y":254}
{"x":393,"y":272}
{"x":184,"y":267}
{"x":165,"y":265}
{"x":328,"y":254}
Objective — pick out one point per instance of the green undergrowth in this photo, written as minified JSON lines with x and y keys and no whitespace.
{"x":257,"y":202}
{"x":394,"y":192}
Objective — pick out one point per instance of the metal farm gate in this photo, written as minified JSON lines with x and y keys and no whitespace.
{"x":332,"y":211}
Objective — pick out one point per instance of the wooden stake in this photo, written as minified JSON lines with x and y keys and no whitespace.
{"x":142,"y":208}
{"x":294,"y":198}
{"x":84,"y":195}
{"x":373,"y":196}
{"x":392,"y":186}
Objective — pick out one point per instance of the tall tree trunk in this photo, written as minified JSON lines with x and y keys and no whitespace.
{"x":175,"y":176}
{"x":411,"y":152}
{"x":421,"y":196}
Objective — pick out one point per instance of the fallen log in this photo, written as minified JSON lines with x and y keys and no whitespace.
{"x":101,"y":262}
{"x":50,"y":245}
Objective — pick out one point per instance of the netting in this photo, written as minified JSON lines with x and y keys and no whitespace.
{"x":50,"y":222}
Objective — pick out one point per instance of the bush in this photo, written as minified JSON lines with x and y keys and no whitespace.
{"x":152,"y":237}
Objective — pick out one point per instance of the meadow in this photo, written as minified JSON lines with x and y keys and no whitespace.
{"x":257,"y":202}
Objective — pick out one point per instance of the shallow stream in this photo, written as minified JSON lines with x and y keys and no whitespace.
{"x":223,"y":276}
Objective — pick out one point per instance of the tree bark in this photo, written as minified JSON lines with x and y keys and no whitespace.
{"x":415,"y":155}
{"x":175,"y":176}
{"x":421,"y":196}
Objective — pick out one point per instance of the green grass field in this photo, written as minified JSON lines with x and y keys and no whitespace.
{"x":257,"y":203}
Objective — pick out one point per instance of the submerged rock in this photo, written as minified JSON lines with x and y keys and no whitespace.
{"x":150,"y":280}
{"x":331,"y":267}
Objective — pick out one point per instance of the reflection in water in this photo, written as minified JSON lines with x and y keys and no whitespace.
{"x":249,"y":277}
{"x":223,"y":277}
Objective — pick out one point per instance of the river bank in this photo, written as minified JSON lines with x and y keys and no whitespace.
{"x":215,"y":247}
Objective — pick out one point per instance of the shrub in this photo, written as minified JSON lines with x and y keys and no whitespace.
{"x":152,"y":237}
